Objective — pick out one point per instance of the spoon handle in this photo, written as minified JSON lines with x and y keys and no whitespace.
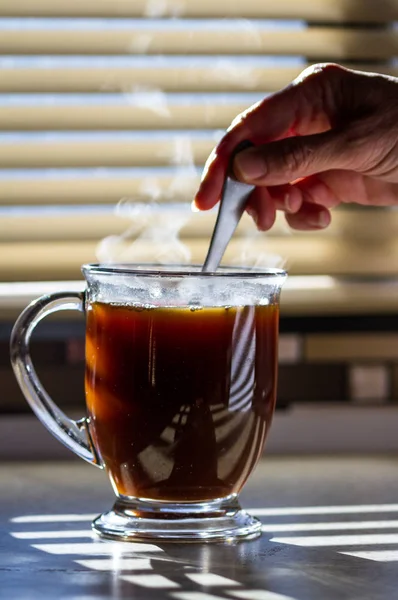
{"x":234,"y":197}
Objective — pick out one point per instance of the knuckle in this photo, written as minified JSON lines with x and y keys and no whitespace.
{"x":359,"y":146}
{"x":330,"y":70}
{"x":316,"y":191}
{"x":295,"y":156}
{"x":326,"y":70}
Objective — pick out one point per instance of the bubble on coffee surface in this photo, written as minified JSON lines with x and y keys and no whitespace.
{"x":140,"y":307}
{"x":195,"y":306}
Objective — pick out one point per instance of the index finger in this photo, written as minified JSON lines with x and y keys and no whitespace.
{"x":249,"y":125}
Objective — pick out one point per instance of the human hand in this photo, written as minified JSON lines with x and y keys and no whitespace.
{"x":330,"y":137}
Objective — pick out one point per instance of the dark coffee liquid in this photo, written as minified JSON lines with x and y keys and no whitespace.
{"x":180,"y":400}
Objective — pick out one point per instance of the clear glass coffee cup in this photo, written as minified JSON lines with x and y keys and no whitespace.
{"x":181,"y":373}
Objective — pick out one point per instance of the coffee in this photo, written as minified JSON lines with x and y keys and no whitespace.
{"x":180,"y":399}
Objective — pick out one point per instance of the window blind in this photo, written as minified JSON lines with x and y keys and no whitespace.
{"x":103,"y":100}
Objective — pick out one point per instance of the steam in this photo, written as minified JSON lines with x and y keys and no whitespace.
{"x":253,"y":253}
{"x":153,"y":235}
{"x":154,"y":231}
{"x":164,"y":8}
{"x":239,"y":75}
{"x":140,"y":44}
{"x":152,"y":98}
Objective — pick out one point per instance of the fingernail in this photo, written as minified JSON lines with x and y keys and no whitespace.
{"x":287,"y":202}
{"x":321,"y":220}
{"x":292,"y":200}
{"x":249,"y":165}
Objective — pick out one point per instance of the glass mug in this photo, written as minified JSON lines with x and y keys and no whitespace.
{"x":180,"y":383}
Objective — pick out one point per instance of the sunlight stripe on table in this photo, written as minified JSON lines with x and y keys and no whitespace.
{"x":116,"y":564}
{"x":339,"y":540}
{"x":376,"y":555}
{"x":151,"y":581}
{"x":195,"y":596}
{"x":54,"y":518}
{"x":340,"y":525}
{"x":259,"y":595}
{"x":33,"y":535}
{"x":323,"y":510}
{"x":97,"y":548}
{"x":259,"y":512}
{"x":242,"y":594}
{"x":211,"y":579}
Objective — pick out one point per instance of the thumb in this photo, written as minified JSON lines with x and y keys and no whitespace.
{"x":292,"y":158}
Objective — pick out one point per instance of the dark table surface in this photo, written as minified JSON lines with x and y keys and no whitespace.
{"x":330,"y":533}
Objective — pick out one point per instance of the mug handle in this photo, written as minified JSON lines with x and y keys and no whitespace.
{"x":73,"y":434}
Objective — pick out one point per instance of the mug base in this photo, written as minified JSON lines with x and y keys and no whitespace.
{"x":134,"y":519}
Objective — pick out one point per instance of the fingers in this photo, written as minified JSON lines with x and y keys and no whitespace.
{"x":210,"y":187}
{"x":215,"y":169}
{"x":310,"y":217}
{"x":322,"y":189}
{"x":307,"y":106}
{"x":287,"y":198}
{"x":300,"y":213}
{"x":342,"y":186}
{"x":262,"y":208}
{"x":307,"y":203}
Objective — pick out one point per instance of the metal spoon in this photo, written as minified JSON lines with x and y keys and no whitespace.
{"x":232,"y":205}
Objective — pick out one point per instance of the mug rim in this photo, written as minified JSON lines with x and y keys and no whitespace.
{"x":177,"y":270}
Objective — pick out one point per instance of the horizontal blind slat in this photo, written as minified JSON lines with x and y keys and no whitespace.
{"x":216,"y":78}
{"x":96,"y":185}
{"x":224,"y":77}
{"x":137,"y":151}
{"x":86,"y":223}
{"x":319,"y":10}
{"x":140,"y":112}
{"x":334,"y":43}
